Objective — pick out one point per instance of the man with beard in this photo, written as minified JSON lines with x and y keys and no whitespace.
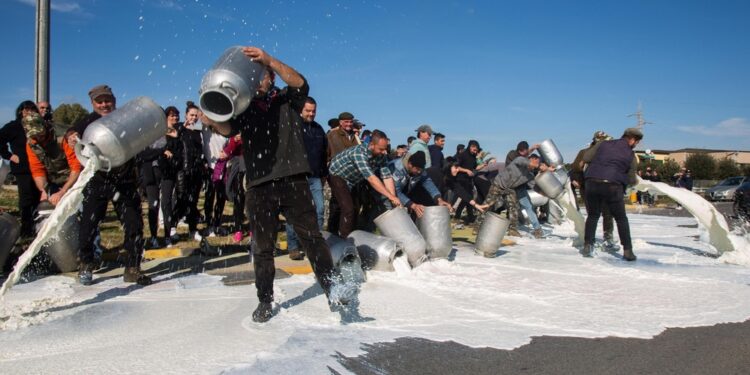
{"x":612,"y":166}
{"x":277,"y":180}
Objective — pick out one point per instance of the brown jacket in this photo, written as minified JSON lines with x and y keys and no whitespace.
{"x":339,"y":140}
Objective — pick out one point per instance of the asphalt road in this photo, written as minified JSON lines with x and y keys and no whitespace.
{"x":719,"y":349}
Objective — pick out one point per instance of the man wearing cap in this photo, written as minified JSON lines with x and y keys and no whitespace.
{"x":577,"y":182}
{"x":277,"y":180}
{"x":408,"y":174}
{"x":424,"y":133}
{"x":54,"y":166}
{"x":118,"y":185}
{"x":611,"y":167}
{"x":339,"y":139}
{"x":358,"y":165}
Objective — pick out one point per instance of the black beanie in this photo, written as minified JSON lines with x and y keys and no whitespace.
{"x":417,"y":159}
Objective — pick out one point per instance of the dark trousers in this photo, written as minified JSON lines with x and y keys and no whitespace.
{"x":28,"y":200}
{"x":608,"y":222}
{"x":187,"y":202}
{"x":127,"y":202}
{"x":292,"y":196}
{"x":599,"y":195}
{"x":346,"y":204}
{"x":334,"y":211}
{"x":152,"y":197}
{"x":238,"y":201}
{"x":214,"y":201}
{"x":467,"y":184}
{"x":167,"y":203}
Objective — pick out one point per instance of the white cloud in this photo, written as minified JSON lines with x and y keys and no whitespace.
{"x":168,"y":4}
{"x":733,"y":127}
{"x":59,"y":6}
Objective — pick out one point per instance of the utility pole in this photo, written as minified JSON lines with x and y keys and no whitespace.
{"x":639,"y":117}
{"x":41,"y":89}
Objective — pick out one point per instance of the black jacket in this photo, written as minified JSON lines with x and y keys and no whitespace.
{"x":12,"y":133}
{"x":272,"y":136}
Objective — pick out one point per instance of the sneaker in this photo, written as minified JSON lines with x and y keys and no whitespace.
{"x":196,"y":235}
{"x":211,"y":234}
{"x":237,"y":236}
{"x":263,"y":313}
{"x":168,"y":242}
{"x":296,"y":254}
{"x":135,"y":275}
{"x":538,"y":233}
{"x":173,"y":236}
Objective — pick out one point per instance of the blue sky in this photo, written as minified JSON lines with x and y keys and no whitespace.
{"x":495,"y":71}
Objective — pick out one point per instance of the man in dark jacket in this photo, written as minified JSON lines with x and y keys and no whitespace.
{"x":119,"y":185}
{"x":277,"y":180}
{"x":28,"y":195}
{"x":316,"y":146}
{"x":612,"y":166}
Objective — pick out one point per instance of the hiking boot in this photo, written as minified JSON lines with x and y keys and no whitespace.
{"x":538,"y":233}
{"x":263,"y":312}
{"x":85,"y":273}
{"x":296,"y":254}
{"x":135,"y":275}
{"x":587,"y":250}
{"x":513,"y":232}
{"x":628,"y":255}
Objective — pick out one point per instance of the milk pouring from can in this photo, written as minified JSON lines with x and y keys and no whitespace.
{"x":227,"y":89}
{"x":122,"y":134}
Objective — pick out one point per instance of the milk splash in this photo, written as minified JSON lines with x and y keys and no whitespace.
{"x":704,"y":211}
{"x":566,"y":200}
{"x":65,"y":208}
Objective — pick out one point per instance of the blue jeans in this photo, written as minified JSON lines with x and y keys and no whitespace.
{"x":525,"y":202}
{"x":316,"y":188}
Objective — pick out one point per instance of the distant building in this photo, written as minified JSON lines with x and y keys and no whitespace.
{"x":742,"y":158}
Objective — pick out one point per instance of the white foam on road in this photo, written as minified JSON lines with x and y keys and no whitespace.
{"x":195,"y":324}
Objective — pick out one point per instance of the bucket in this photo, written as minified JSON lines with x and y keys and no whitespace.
{"x":119,"y":136}
{"x":376,"y":252}
{"x":536,"y":198}
{"x":227,"y":89}
{"x":345,"y":258}
{"x":550,"y":153}
{"x":435,"y":226}
{"x":562,"y":175}
{"x":4,"y":170}
{"x":491,"y":233}
{"x":10,"y":229}
{"x":63,"y":248}
{"x":396,"y":224}
{"x":549,"y":183}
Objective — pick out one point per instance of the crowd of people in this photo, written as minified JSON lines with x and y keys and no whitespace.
{"x":273,"y":159}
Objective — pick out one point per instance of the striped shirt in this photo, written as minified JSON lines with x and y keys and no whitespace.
{"x":356,"y":164}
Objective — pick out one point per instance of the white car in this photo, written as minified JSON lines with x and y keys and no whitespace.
{"x":724,"y":190}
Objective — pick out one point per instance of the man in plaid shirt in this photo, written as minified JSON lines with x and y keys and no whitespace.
{"x":355,"y":165}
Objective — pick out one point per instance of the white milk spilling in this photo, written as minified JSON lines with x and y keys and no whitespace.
{"x":67,"y":206}
{"x":567,"y":201}
{"x":704,"y":211}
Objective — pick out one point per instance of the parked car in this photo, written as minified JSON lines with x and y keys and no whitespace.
{"x":724,"y":190}
{"x":742,"y":201}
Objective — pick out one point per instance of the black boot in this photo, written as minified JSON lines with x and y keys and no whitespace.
{"x":628,"y":255}
{"x":263,"y":313}
{"x":134,"y":275}
{"x":587,"y":250}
